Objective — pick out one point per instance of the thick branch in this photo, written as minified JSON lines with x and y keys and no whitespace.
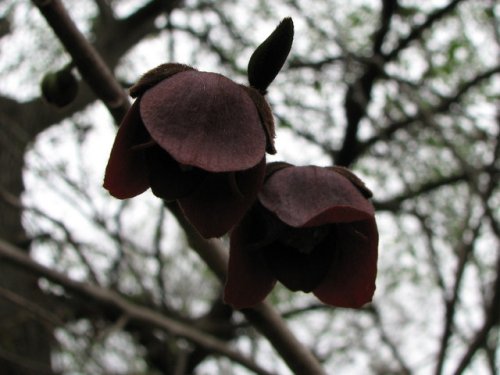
{"x":394,"y":204}
{"x":358,"y":94}
{"x":111,"y":300}
{"x":91,"y":66}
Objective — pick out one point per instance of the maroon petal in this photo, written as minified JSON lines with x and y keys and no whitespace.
{"x":248,"y":281}
{"x":168,"y":179}
{"x":204,"y":120}
{"x":350,"y":282}
{"x":222,"y":199}
{"x":312,"y":196}
{"x":297,"y":270}
{"x":126,"y":174}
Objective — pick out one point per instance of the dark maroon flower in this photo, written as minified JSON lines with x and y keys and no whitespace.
{"x":199,"y":138}
{"x":313,"y":229}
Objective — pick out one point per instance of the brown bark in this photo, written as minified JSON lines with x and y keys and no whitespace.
{"x":22,"y":336}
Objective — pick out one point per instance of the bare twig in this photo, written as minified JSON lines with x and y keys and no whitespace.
{"x":443,"y":105}
{"x":396,"y":353}
{"x":394,"y":204}
{"x":492,"y":319}
{"x":359,"y":93}
{"x":418,"y":30}
{"x":463,"y":253}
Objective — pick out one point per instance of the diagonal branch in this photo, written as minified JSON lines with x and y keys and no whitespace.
{"x":114,"y":301}
{"x":492,"y":319}
{"x":418,"y":30}
{"x":91,"y":66}
{"x":464,"y":253}
{"x":394,"y":204}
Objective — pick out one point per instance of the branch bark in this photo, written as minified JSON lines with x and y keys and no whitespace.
{"x":91,"y":66}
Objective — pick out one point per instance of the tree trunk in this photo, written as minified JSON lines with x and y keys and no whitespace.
{"x":25,"y":341}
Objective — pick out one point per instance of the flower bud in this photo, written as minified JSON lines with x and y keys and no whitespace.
{"x":59,"y":88}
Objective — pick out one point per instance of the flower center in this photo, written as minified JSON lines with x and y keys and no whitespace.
{"x":304,"y":240}
{"x":298,"y":257}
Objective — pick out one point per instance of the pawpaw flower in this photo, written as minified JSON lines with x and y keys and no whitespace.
{"x":199,"y":138}
{"x":314,"y":230}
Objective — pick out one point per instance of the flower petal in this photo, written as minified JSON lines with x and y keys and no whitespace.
{"x":248,"y":281}
{"x":266,"y":117}
{"x":312,"y":196}
{"x":298,"y":270}
{"x":126,"y":174}
{"x":350,"y":282}
{"x":168,"y":180}
{"x":222,"y":199}
{"x":204,"y":120}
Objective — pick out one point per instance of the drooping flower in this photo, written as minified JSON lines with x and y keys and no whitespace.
{"x":314,"y":230}
{"x":198,"y":138}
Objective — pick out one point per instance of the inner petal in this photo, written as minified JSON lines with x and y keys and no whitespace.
{"x":168,"y":179}
{"x":299,"y":270}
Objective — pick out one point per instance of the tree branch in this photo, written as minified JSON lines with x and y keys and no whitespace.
{"x":445,"y":103}
{"x":492,"y":319}
{"x":114,"y":301}
{"x":358,"y":93}
{"x":464,"y":253}
{"x":394,"y":204}
{"x":418,"y":30}
{"x":91,"y":66}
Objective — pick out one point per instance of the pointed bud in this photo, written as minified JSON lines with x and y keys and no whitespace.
{"x":268,"y":59}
